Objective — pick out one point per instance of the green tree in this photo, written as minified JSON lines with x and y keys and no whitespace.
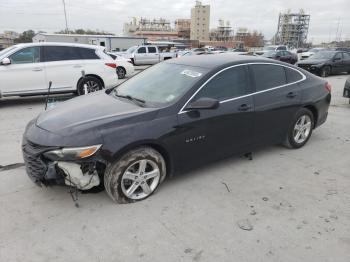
{"x":25,"y":37}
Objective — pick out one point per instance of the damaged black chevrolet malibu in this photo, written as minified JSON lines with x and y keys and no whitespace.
{"x":175,"y":115}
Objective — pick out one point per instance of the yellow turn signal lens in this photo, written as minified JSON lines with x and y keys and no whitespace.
{"x":88,"y":152}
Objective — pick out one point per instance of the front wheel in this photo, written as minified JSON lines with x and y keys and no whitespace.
{"x":89,"y":84}
{"x":300,"y":130}
{"x":135,"y":176}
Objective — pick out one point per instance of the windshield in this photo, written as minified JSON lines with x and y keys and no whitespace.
{"x":7,"y":50}
{"x":272,"y":48}
{"x":162,"y":84}
{"x":322,"y":55}
{"x":131,"y":49}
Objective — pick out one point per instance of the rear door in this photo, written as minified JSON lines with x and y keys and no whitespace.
{"x":338,"y":64}
{"x":63,"y":66}
{"x":26,"y":73}
{"x":153,"y":55}
{"x":277,"y":98}
{"x":210,"y":134}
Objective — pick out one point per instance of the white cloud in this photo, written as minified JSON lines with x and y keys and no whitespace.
{"x":109,"y":15}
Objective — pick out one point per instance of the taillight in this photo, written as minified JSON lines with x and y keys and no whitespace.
{"x":328,"y":87}
{"x":111,"y":65}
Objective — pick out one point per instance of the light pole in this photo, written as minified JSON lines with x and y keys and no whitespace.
{"x":65,"y":15}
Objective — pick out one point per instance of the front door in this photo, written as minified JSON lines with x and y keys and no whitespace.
{"x":24,"y":74}
{"x":207,"y":135}
{"x":140,"y":56}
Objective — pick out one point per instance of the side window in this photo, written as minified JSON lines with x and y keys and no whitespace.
{"x":292,"y":75}
{"x":280,"y":53}
{"x":338,"y":56}
{"x":88,"y":53}
{"x":228,"y":84}
{"x":268,"y":76}
{"x":60,"y":53}
{"x":27,"y":55}
{"x":281,"y":48}
{"x":152,"y":49}
{"x":141,"y":50}
{"x":346,"y":55}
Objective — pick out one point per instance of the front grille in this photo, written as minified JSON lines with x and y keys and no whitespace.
{"x":35,"y":166}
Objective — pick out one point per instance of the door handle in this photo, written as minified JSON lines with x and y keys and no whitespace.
{"x":37,"y":69}
{"x":244,"y":107}
{"x":77,"y":66}
{"x":291,"y":95}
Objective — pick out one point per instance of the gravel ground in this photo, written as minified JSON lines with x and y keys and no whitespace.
{"x":284,"y":205}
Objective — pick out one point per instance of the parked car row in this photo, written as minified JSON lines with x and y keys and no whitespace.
{"x":325,"y":63}
{"x":27,"y":69}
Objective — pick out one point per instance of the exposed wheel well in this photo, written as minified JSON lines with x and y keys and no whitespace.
{"x":314,"y":113}
{"x":92,"y":75}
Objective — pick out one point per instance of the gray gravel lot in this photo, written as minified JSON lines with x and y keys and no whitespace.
{"x":284,"y":205}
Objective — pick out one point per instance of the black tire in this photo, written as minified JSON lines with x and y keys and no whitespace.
{"x":113,"y":177}
{"x":92,"y":81}
{"x":325,"y":71}
{"x":290,"y":141}
{"x":121,"y":72}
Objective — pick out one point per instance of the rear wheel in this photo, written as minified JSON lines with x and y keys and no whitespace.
{"x":135,"y":176}
{"x":325,"y":71}
{"x":121,"y":72}
{"x":300,"y":130}
{"x":89,"y":84}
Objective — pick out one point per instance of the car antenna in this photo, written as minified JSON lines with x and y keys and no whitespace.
{"x":48,"y":94}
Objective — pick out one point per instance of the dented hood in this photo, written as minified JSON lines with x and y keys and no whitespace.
{"x":86,"y":112}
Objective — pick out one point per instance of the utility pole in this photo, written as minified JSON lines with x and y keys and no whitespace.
{"x":65,"y":15}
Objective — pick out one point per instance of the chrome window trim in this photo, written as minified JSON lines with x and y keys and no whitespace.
{"x":251,"y":94}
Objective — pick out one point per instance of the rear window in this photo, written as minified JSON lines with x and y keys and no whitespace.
{"x":268,"y":76}
{"x":60,"y":53}
{"x":292,"y":75}
{"x":152,"y":49}
{"x":87,"y":53}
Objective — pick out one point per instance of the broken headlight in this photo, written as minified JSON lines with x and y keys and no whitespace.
{"x":73,"y":153}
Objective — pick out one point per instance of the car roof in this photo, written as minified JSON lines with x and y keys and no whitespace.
{"x":59,"y":44}
{"x":218,"y":60}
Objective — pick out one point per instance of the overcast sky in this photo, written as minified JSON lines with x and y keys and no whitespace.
{"x":109,"y":15}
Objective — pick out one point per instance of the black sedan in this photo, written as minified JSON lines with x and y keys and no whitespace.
{"x":325,"y":63}
{"x":284,"y":56}
{"x":173,"y":116}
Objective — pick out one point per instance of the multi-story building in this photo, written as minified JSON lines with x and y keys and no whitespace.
{"x":200,"y":22}
{"x":156,"y":29}
{"x":223,"y":32}
{"x":183,"y":27}
{"x":7,"y":39}
{"x":292,"y":29}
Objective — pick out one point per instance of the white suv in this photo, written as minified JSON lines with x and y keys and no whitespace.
{"x":27,"y":69}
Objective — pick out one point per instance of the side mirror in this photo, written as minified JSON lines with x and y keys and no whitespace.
{"x":6,"y":61}
{"x":203,"y":103}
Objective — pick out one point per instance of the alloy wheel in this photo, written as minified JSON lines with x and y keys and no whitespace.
{"x":120,"y":73}
{"x":302,"y":129}
{"x":91,"y":86}
{"x":140,"y":179}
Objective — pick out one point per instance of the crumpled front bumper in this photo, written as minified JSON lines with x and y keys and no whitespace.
{"x":39,"y":171}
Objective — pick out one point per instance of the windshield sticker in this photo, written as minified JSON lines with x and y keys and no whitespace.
{"x":191,"y":73}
